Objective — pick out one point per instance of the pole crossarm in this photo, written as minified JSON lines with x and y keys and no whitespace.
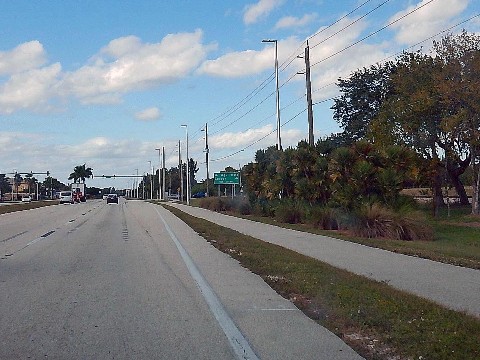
{"x":121,"y":176}
{"x":29,"y":173}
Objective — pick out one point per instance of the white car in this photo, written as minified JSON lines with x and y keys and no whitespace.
{"x":66,"y":197}
{"x":26,"y":198}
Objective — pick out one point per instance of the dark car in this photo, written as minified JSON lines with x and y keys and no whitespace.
{"x":199,"y":194}
{"x":112,"y":198}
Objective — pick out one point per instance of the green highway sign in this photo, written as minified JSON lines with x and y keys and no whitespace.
{"x":225,"y":178}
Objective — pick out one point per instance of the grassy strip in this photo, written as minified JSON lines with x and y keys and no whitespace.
{"x":377,"y":321}
{"x":453,"y":244}
{"x":25,"y":206}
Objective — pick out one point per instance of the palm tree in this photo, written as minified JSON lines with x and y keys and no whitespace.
{"x":17,"y":180}
{"x":80,"y":173}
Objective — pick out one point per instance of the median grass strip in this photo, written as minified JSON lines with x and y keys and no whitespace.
{"x":25,"y":206}
{"x":456,"y":237}
{"x":376,"y":320}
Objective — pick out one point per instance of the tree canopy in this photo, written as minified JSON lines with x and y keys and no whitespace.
{"x":80,"y":173}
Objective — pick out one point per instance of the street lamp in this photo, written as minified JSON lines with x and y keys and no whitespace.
{"x":159,"y":164}
{"x":188,"y":165}
{"x":279,"y":141}
{"x":136,"y":184}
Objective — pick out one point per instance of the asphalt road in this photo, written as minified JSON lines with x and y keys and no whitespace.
{"x":131,"y":281}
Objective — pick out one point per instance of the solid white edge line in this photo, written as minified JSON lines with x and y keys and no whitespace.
{"x":238,"y":342}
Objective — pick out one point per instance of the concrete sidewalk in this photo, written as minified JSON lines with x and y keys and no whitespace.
{"x":452,"y":286}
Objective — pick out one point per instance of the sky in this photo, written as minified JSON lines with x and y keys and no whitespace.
{"x":106,"y":83}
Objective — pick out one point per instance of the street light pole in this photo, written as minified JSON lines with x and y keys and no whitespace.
{"x":188,"y":165}
{"x":180,"y":170}
{"x":159,"y":164}
{"x":136,"y":184}
{"x":279,"y":140}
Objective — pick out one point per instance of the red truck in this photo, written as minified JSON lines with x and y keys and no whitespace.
{"x":78,"y":192}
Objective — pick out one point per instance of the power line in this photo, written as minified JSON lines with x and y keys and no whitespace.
{"x":373,"y":33}
{"x":228,"y":112}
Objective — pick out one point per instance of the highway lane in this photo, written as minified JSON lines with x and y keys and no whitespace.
{"x":131,"y":281}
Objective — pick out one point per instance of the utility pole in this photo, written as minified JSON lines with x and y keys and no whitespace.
{"x":163,"y":173}
{"x":151,"y":180}
{"x":180,"y":170}
{"x":206,"y":155}
{"x":309,"y":96}
{"x":188,"y":165}
{"x":277,"y":92}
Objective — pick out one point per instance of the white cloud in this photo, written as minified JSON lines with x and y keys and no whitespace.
{"x":427,"y":21}
{"x":262,"y":8}
{"x":248,"y":62}
{"x":127,"y":64}
{"x":26,"y":56}
{"x":292,"y":22}
{"x":30,"y":89}
{"x":148,"y":114}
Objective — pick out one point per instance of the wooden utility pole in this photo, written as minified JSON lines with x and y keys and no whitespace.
{"x":309,"y":96}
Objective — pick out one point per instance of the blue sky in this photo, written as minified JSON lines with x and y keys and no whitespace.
{"x":107,"y":82}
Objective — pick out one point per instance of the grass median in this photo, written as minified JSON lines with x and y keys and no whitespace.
{"x":376,"y":320}
{"x":26,"y":206}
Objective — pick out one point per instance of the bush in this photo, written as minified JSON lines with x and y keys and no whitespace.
{"x":290,"y":212}
{"x":377,"y":221}
{"x":215,"y":203}
{"x":242,"y":206}
{"x":324,"y":218}
{"x":262,"y":207}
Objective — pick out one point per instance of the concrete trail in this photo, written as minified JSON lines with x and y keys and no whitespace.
{"x":451,"y":286}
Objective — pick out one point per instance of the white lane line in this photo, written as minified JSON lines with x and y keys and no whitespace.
{"x":239,"y":344}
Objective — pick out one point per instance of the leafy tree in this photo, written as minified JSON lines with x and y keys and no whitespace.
{"x":193,"y":169}
{"x":5,"y":186}
{"x":412,"y":115}
{"x":80,"y":173}
{"x":362,"y":96}
{"x":17,"y":180}
{"x":458,"y":85}
{"x":310,"y":174}
{"x":31,"y":181}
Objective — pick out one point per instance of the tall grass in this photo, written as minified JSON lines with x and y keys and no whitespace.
{"x":376,"y":221}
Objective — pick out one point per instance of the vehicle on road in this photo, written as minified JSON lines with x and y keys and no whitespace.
{"x":66,"y":197}
{"x":78,"y":192}
{"x":199,"y":194}
{"x":112,"y":198}
{"x":27,"y":198}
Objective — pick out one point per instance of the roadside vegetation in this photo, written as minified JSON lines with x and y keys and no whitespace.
{"x":451,"y":237}
{"x":26,"y":206}
{"x":377,"y":321}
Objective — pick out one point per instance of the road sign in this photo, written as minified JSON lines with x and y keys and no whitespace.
{"x":225,"y":178}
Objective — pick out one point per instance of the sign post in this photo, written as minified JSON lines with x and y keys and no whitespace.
{"x":226,"y":178}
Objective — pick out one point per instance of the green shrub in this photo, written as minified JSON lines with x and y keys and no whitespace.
{"x":215,"y":203}
{"x":242,"y":206}
{"x":324,"y":218}
{"x":263,"y":207}
{"x":377,"y":221}
{"x":290,"y":212}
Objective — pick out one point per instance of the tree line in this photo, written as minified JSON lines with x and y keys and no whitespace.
{"x":412,"y":120}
